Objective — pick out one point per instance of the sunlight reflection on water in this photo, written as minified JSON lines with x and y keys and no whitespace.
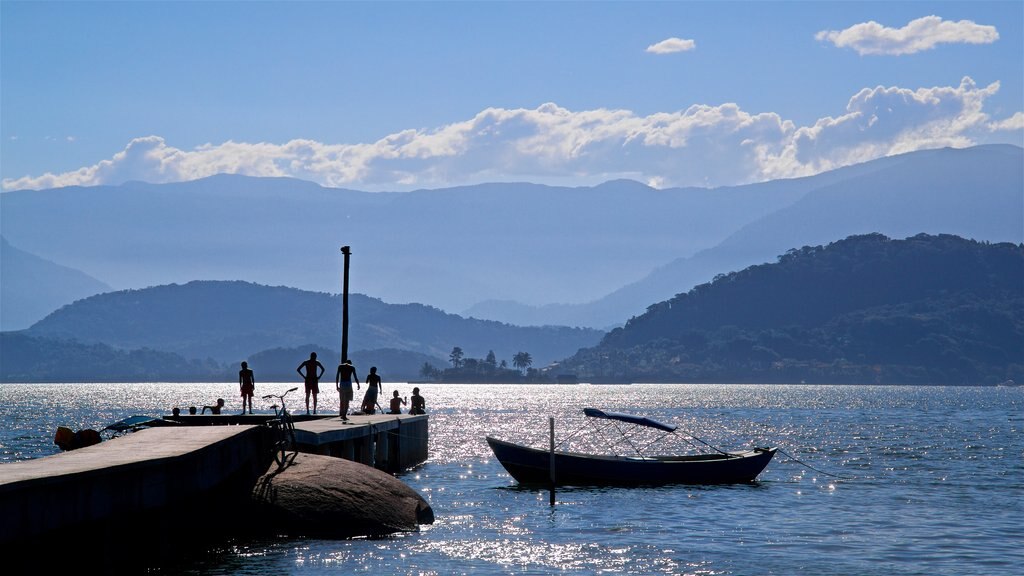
{"x":930,"y":481}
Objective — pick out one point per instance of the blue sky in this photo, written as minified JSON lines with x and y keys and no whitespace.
{"x":399,"y":96}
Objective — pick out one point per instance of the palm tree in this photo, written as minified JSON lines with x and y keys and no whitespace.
{"x":522,"y":360}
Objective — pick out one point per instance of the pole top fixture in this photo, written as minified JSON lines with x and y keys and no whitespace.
{"x":345,"y":250}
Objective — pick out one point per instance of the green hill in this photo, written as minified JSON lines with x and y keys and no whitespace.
{"x":867,"y":309}
{"x":203,"y":329}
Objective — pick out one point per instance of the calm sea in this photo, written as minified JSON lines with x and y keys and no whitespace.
{"x":890,"y":480}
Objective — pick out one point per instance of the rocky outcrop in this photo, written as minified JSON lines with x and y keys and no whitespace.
{"x":329,"y":497}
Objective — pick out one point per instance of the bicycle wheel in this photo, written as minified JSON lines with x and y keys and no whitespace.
{"x":288,"y":438}
{"x":278,"y":444}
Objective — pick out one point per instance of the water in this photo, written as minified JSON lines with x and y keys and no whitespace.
{"x":909,"y":480}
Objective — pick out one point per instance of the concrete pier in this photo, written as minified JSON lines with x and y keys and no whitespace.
{"x":153,"y":488}
{"x":149,"y":490}
{"x":388,"y":442}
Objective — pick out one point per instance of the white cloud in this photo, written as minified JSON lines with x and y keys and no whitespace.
{"x":1015,"y":122}
{"x":671,"y":46}
{"x":704,"y":145}
{"x":871,"y":38}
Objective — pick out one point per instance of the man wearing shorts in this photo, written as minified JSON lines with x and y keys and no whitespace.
{"x":313,"y":371}
{"x":343,"y":381}
{"x":247,"y":384}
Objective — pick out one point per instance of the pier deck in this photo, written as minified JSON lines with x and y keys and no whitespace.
{"x":176,"y":473}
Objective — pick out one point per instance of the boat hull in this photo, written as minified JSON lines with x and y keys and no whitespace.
{"x":532,"y":466}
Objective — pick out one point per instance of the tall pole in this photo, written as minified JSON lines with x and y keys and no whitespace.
{"x":551,"y":469}
{"x":344,"y":307}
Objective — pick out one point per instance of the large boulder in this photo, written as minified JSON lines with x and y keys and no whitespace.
{"x":323,"y":496}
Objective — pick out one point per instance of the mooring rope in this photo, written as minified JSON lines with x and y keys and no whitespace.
{"x":802,"y":463}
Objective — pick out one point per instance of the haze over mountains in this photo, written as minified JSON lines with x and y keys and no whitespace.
{"x":31,"y":286}
{"x":518,"y":253}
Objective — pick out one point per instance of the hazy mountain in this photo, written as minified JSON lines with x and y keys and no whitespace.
{"x":975,"y":193}
{"x":230,"y":321}
{"x":449,"y":248}
{"x":32,"y":287}
{"x":925,"y":310}
{"x":591,"y":256}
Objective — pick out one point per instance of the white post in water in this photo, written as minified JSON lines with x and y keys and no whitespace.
{"x":551,"y":422}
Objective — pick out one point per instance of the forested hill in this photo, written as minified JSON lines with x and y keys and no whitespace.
{"x":927,"y":309}
{"x":203,"y":326}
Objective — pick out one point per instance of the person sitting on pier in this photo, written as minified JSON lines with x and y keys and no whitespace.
{"x":396,"y":404}
{"x":419,"y":405}
{"x":214,"y":409}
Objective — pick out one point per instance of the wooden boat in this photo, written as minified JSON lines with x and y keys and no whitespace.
{"x":533,"y":465}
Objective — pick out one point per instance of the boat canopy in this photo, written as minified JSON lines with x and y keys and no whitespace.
{"x":638,"y":420}
{"x":130,"y":423}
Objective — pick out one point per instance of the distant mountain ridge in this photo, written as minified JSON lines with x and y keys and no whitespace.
{"x":925,"y":310}
{"x":32,"y":287}
{"x":514,"y":252}
{"x":975,"y":193}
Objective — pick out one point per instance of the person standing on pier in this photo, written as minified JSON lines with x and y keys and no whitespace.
{"x":313,"y":371}
{"x":373,"y":388}
{"x":247,"y":385}
{"x":343,"y":382}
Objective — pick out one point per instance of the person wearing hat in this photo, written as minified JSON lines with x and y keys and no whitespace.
{"x":343,"y":382}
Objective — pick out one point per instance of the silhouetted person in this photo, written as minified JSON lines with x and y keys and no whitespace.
{"x":417,"y":404}
{"x":214,"y":409}
{"x":373,"y":387}
{"x":176,"y":411}
{"x":396,"y":404}
{"x":313,"y":371}
{"x":247,"y":384}
{"x":192,"y":410}
{"x":343,"y":382}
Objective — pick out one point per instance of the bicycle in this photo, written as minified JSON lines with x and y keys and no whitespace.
{"x":284,"y":430}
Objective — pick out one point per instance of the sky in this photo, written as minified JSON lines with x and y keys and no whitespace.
{"x":394,"y":96}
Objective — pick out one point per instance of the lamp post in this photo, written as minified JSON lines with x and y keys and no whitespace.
{"x":344,"y":307}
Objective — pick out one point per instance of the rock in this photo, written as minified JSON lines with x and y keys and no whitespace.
{"x":323,"y":496}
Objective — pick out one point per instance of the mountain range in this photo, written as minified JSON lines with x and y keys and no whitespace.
{"x":518,"y":253}
{"x":929,"y":309}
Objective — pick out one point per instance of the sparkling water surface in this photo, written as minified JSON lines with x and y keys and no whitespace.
{"x":874,"y":480}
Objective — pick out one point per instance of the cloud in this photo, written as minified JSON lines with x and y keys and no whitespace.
{"x":1013,"y":123}
{"x":871,"y":38}
{"x":703,"y":145}
{"x":671,"y":46}
{"x":883,"y":121}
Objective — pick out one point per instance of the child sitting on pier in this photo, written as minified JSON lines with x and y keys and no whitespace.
{"x":396,"y":404}
{"x":214,"y":409}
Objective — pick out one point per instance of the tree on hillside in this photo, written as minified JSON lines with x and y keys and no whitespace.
{"x":456,"y":357}
{"x":428,"y":370}
{"x":491,"y":359}
{"x":522,"y":360}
